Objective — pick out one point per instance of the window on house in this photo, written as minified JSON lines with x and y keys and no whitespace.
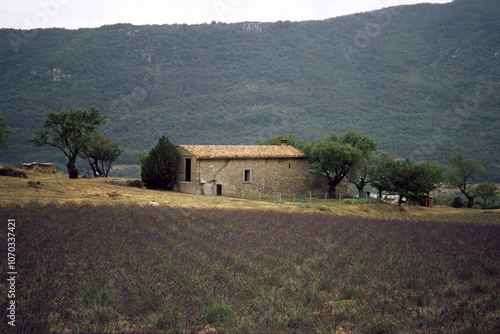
{"x":247,"y":175}
{"x":188,"y":170}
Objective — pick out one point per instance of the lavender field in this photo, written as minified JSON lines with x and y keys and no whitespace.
{"x":130,"y":268}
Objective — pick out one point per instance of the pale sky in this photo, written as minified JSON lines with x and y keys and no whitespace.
{"x":74,"y":14}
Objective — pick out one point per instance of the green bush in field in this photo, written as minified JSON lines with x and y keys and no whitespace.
{"x":360,"y":200}
{"x":458,"y":203}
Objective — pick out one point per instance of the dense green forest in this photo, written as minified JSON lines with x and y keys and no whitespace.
{"x":422,"y":80}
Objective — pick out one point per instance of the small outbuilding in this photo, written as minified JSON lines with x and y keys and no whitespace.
{"x":44,"y":168}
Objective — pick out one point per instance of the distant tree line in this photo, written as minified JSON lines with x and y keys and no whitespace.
{"x":354,"y":157}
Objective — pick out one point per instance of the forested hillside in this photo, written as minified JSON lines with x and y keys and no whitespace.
{"x":422,"y":80}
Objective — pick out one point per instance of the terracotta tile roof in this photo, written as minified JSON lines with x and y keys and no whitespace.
{"x":242,"y":151}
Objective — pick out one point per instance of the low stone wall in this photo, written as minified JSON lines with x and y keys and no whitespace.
{"x":342,"y":188}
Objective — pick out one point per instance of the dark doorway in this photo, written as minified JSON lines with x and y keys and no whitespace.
{"x":219,"y":190}
{"x":188,"y":170}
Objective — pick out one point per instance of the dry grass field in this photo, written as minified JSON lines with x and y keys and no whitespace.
{"x":58,"y":188}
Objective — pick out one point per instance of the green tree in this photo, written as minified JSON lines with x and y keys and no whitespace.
{"x":460,"y":171}
{"x":415,"y":182}
{"x":361,"y":173}
{"x":403,"y":179}
{"x":428,"y":177}
{"x":485,"y":190}
{"x":495,"y":198}
{"x":382,"y":173}
{"x":5,"y":133}
{"x":457,"y":203}
{"x":159,"y":167}
{"x":100,"y":152}
{"x":68,"y":130}
{"x":337,"y":156}
{"x":291,"y":140}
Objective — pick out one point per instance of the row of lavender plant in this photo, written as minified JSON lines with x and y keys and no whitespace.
{"x":132,"y":268}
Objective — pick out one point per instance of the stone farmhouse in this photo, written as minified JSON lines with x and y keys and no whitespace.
{"x":233,"y":169}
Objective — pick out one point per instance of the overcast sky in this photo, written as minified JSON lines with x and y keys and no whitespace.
{"x":73,"y":14}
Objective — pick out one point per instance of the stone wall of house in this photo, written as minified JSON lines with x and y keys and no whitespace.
{"x":342,"y":188}
{"x":316,"y":184}
{"x":254,"y":175}
{"x":286,"y":176}
{"x":183,"y":186}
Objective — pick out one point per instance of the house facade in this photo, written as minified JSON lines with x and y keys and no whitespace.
{"x":233,"y":169}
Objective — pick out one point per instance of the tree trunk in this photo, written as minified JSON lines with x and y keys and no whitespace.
{"x":98,"y":171}
{"x":93,"y":169}
{"x":106,"y":169}
{"x":72,"y":171}
{"x":360,"y":188}
{"x":331,"y":190}
{"x":470,"y":199}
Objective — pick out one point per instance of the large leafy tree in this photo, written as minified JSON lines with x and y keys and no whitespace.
{"x":361,"y":173}
{"x":405,"y":178}
{"x":100,"y":152}
{"x":460,"y":172}
{"x":428,"y":177}
{"x":415,"y":182}
{"x":5,"y":132}
{"x":68,"y":130}
{"x":337,"y":156}
{"x":159,"y":167}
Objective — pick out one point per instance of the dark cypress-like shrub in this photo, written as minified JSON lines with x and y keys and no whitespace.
{"x":458,"y":203}
{"x":159,"y":167}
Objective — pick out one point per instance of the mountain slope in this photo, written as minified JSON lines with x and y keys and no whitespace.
{"x":422,"y":80}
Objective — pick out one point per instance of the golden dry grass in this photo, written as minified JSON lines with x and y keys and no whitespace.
{"x":59,"y":188}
